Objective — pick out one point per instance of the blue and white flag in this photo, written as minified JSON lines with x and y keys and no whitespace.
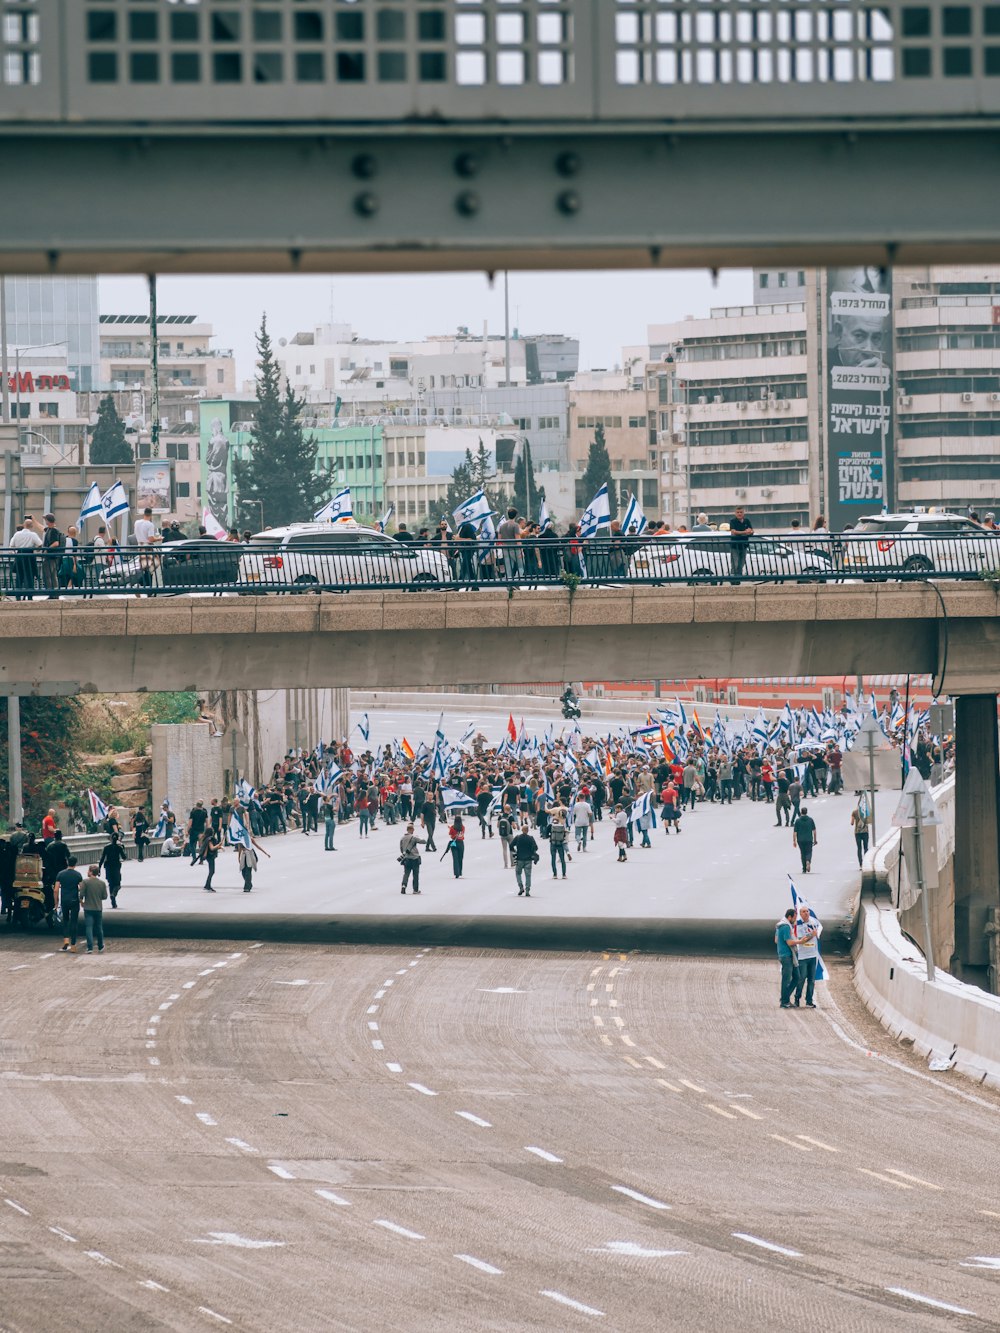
{"x":98,"y":810}
{"x":468,"y":733}
{"x":380,"y":525}
{"x":92,"y":506}
{"x":114,"y":501}
{"x":474,"y":509}
{"x":364,"y":727}
{"x":597,"y":515}
{"x":161,"y":827}
{"x":336,"y":509}
{"x":245,"y":794}
{"x":454,"y":800}
{"x":798,"y":902}
{"x":643,"y":809}
{"x":634,"y":517}
{"x":438,"y":765}
{"x":544,"y":517}
{"x":237,"y":832}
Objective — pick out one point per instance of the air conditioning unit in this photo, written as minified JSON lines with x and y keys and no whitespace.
{"x":767,"y":494}
{"x":906,"y":401}
{"x":742,"y":406}
{"x":968,"y":398}
{"x":764,"y":404}
{"x":995,"y":397}
{"x":702,"y":398}
{"x":782,"y":404}
{"x":740,"y":493}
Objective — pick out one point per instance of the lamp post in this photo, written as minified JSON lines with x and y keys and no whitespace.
{"x":870,"y":729}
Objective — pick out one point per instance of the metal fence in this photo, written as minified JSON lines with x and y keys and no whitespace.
{"x":226,"y":61}
{"x":318,"y":563}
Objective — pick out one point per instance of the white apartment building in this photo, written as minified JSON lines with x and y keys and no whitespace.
{"x":51,"y":416}
{"x":188,"y":363}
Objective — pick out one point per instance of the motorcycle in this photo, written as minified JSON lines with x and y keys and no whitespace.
{"x":29,"y":896}
{"x":570,"y":705}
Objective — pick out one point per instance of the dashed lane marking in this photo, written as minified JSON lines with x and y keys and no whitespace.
{"x":474,"y":1119}
{"x":481,"y":1264}
{"x":17,"y":1207}
{"x":243,"y":1146}
{"x":631,"y":1060}
{"x":393,"y":1067}
{"x":206,"y":1119}
{"x":590,"y":986}
{"x":571,"y":1304}
{"x":632,"y":1250}
{"x":150,"y":1285}
{"x":544,"y":1155}
{"x":817,"y":1143}
{"x":791,"y":1143}
{"x":618,"y":1022}
{"x":750,"y":1115}
{"x":728,"y":1115}
{"x":627,"y":1040}
{"x":926,"y":1300}
{"x":185,"y":1101}
{"x":330,"y":1197}
{"x":612,"y":1003}
{"x":606,"y":1039}
{"x":652,"y":1060}
{"x":693,"y":1086}
{"x":886,"y":1180}
{"x":280,"y":1171}
{"x":609,"y":986}
{"x":60,"y":1231}
{"x":419,"y":1087}
{"x":101,"y":1259}
{"x":641,"y":1198}
{"x":768,"y":1245}
{"x":189,"y":985}
{"x":379,"y":994}
{"x":213,"y":1314}
{"x":990,"y":1262}
{"x":372,"y":1009}
{"x":916,"y":1180}
{"x":372,"y":1027}
{"x":398,"y":1230}
{"x":598,"y":1020}
{"x":154,"y":1060}
{"x":664,"y":1083}
{"x":378,"y":1045}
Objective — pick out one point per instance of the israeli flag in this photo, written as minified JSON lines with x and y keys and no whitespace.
{"x":238,"y":835}
{"x":544,"y":517}
{"x":385,"y":518}
{"x":92,"y":506}
{"x":457,"y":801}
{"x":467,"y":734}
{"x":336,"y":509}
{"x":114,"y":501}
{"x":333,"y":776}
{"x":634,"y":517}
{"x":245,"y":794}
{"x":597,"y":515}
{"x":438,"y":765}
{"x":643,"y":809}
{"x":486,"y":537}
{"x":364,"y":727}
{"x":161,"y":828}
{"x":798,"y":902}
{"x":474,"y":509}
{"x":98,"y":810}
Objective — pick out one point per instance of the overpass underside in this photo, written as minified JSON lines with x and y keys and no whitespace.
{"x":324,"y":136}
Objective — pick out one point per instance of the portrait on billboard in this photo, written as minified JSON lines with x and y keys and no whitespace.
{"x":154,"y":485}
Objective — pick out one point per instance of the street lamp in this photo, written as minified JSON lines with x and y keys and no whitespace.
{"x":869,"y":729}
{"x":31,"y":347}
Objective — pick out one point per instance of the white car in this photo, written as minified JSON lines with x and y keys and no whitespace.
{"x":918,"y":543}
{"x":318,"y":555}
{"x":707,"y":557}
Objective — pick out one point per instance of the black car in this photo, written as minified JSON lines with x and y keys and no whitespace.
{"x":184,"y":566}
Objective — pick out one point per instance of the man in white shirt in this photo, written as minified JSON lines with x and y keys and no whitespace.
{"x":25,"y":542}
{"x":147,"y":536}
{"x":583,"y":817}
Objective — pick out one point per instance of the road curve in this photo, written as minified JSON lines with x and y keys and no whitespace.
{"x":290,"y":1138}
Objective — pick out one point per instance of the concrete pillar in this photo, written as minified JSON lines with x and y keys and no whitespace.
{"x":977,"y":833}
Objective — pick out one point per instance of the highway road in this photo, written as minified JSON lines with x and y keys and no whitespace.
{"x":297,"y":1138}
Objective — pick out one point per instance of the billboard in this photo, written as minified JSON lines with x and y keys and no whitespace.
{"x":859,"y":394}
{"x":154,"y":485}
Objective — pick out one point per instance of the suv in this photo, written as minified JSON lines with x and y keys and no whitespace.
{"x":705,"y":556}
{"x":919,"y":543}
{"x":318,"y":555}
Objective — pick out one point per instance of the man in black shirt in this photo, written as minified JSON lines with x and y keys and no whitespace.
{"x":53,"y":543}
{"x":804,"y":837}
{"x":740,"y":532}
{"x":524,"y":850}
{"x":69,"y":881}
{"x":55,"y":857}
{"x":197,"y":820}
{"x":111,"y":863}
{"x":402,"y":535}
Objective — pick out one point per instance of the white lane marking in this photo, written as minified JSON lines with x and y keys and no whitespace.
{"x":239,"y":1143}
{"x":594,"y":971}
{"x":791,"y":1143}
{"x":419,"y":1087}
{"x":205,"y":1118}
{"x":61,"y":1231}
{"x":665,"y":1084}
{"x":185,"y":1101}
{"x":640,"y":1198}
{"x":207,"y":972}
{"x":393,"y":1067}
{"x":154,"y":1060}
{"x":378,"y":1045}
{"x":652,"y":1060}
{"x":612,"y":1004}
{"x":372,"y":1009}
{"x":213,"y":1314}
{"x":330,"y":1197}
{"x":750,"y":1115}
{"x":481,"y":1264}
{"x":630,"y":1060}
{"x":627,"y":1041}
{"x":768,"y":1245}
{"x":239,"y":955}
{"x":189,"y":985}
{"x":926,"y":1300}
{"x":109,"y":977}
{"x":501,"y":990}
{"x":300,"y":981}
{"x":573,"y":1305}
{"x":237,"y":1241}
{"x":46,"y":955}
{"x":632,"y":1250}
{"x":150,"y":1285}
{"x":389,"y":981}
{"x":280,"y":1171}
{"x":719,"y":1111}
{"x":618,"y":1022}
{"x":817,"y":1143}
{"x":693,"y":1086}
{"x":154,"y":1019}
{"x":101,"y":1259}
{"x":17,"y":1207}
{"x":151,"y":1032}
{"x":545,"y":1156}
{"x":598,"y":1021}
{"x":474,"y":1119}
{"x":609,"y":986}
{"x":886,"y":1180}
{"x":173,"y":997}
{"x":256,"y":946}
{"x":150,"y":1045}
{"x":224,"y":963}
{"x":379,"y":994}
{"x":21,"y":967}
{"x":372,"y":1027}
{"x":590,"y":986}
{"x":982,"y":1261}
{"x":400,"y":1231}
{"x":891,"y":1170}
{"x":401,"y":972}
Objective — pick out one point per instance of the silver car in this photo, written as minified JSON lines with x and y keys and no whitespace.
{"x":707,"y":557}
{"x":317,"y":555}
{"x":918,"y":543}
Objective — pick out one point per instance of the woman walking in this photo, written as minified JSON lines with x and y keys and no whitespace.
{"x":361,"y":806}
{"x":140,"y":827}
{"x":209,"y":849}
{"x":484,"y":799}
{"x":620,"y":821}
{"x":456,"y":843}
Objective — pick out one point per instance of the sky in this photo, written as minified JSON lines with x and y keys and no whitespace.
{"x":605,"y":310}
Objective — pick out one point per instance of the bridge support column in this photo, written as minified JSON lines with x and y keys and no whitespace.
{"x":977,"y":834}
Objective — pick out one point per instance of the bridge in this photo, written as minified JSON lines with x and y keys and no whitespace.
{"x":445,"y":134}
{"x":387,"y":640}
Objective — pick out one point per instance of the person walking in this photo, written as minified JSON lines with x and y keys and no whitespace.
{"x":247,"y":860}
{"x":484,"y":799}
{"x":620,"y":822}
{"x":197,"y":820}
{"x":409,"y":857}
{"x":807,"y":932}
{"x":782,"y":803}
{"x":211,"y":845}
{"x":329,"y":825}
{"x":111,"y":863}
{"x":525,"y":850}
{"x":784,"y":939}
{"x":428,"y":818}
{"x":557,"y":838}
{"x":804,"y":838}
{"x":583,"y":818}
{"x":55,"y":858}
{"x":68,"y":883}
{"x":860,"y":822}
{"x":93,"y":893}
{"x":456,"y":845}
{"x":140,"y":831}
{"x":505,"y":831}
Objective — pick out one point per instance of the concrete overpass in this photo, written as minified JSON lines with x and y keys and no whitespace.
{"x":400,"y":639}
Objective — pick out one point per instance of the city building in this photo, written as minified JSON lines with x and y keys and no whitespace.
{"x":44,"y":312}
{"x":51,"y":416}
{"x":188,"y":363}
{"x":616,"y":402}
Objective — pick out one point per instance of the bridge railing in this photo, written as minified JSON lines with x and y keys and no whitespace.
{"x":489,"y":61}
{"x":343,"y":562}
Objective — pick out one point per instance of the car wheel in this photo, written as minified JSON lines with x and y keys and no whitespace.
{"x":706,"y":576}
{"x":306,"y":583}
{"x":917,"y":564}
{"x":423,"y":580}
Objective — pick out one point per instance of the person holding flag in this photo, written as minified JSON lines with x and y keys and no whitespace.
{"x":860,"y":824}
{"x":808,"y":929}
{"x":246,"y":851}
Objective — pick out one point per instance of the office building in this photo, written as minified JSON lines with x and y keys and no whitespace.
{"x":45,"y":313}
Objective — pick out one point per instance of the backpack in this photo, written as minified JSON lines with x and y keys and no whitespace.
{"x":557,"y":833}
{"x":503,"y":827}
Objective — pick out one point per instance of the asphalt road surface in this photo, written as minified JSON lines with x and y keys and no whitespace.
{"x":267,"y":1137}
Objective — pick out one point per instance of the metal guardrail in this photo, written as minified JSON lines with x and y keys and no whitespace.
{"x":226,"y":62}
{"x":317,"y":563}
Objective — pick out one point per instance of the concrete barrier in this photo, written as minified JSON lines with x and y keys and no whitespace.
{"x":88,"y":846}
{"x":945,"y":1017}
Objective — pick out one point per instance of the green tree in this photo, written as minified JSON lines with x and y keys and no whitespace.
{"x":481,"y":464}
{"x":108,"y":443}
{"x":598,"y":472}
{"x":525,"y":497}
{"x":462,"y":485}
{"x":278,"y":483}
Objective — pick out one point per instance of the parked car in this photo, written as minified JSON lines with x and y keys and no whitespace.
{"x":198,"y":563}
{"x":316,"y":555}
{"x":918,"y":543}
{"x":706,"y":556}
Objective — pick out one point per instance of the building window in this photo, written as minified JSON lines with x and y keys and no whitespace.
{"x":523,"y":423}
{"x":802,"y":277}
{"x":637,"y":423}
{"x":782,"y":279}
{"x":183,"y":490}
{"x":220,"y":377}
{"x":179,"y":451}
{"x":765,"y":279}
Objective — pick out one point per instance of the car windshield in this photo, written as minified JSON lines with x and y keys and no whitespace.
{"x":876,"y":525}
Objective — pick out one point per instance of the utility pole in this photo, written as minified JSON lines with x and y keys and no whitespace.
{"x":15,"y":799}
{"x":4,"y":361}
{"x":506,"y":330}
{"x":870,"y":729}
{"x":154,"y":352}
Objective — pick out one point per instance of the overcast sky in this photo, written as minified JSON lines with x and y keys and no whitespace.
{"x":605,"y":310}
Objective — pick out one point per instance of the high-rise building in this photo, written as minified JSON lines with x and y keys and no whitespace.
{"x":43,"y":312}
